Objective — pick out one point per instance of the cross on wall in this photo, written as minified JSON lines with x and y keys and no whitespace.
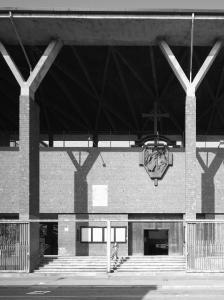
{"x":156,"y":115}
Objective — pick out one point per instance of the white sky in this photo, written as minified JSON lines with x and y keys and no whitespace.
{"x":113,"y":4}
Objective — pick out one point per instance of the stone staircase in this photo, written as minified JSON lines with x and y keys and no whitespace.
{"x":157,"y":263}
{"x":98,"y":264}
{"x":74,"y":264}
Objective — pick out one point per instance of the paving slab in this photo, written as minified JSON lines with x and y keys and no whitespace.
{"x":171,"y":280}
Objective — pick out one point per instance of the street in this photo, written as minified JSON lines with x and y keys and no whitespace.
{"x":110,"y":292}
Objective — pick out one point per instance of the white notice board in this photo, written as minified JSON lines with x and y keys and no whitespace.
{"x":100,"y":195}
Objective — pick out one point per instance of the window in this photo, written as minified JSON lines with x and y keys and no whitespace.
{"x":111,"y":235}
{"x":86,"y":234}
{"x":120,"y":235}
{"x":99,"y":234}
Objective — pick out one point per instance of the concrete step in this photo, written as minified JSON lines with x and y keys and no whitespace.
{"x":74,"y":264}
{"x":124,"y":264}
{"x":152,"y":264}
{"x":62,"y":271}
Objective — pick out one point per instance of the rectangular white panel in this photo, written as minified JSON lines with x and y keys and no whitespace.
{"x":97,"y":234}
{"x":85,"y":234}
{"x":99,"y":195}
{"x":120,"y":235}
{"x":111,"y":235}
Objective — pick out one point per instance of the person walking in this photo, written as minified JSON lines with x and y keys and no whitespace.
{"x":115,"y":251}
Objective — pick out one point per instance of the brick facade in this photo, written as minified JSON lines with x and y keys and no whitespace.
{"x":67,"y":176}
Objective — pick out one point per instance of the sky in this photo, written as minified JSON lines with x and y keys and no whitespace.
{"x":119,"y":5}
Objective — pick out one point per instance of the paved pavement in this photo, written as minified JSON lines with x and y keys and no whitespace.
{"x":137,"y":286}
{"x":127,"y":279}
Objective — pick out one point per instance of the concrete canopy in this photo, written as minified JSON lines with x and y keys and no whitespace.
{"x":131,"y":78}
{"x":102,"y":29}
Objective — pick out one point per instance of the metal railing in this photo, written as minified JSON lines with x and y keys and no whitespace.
{"x":202,"y":244}
{"x":14,"y":247}
{"x":205,"y":246}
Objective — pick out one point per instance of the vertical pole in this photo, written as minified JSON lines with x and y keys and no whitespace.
{"x":192,"y":45}
{"x":186,"y":244}
{"x":108,"y":246}
{"x":27,"y":249}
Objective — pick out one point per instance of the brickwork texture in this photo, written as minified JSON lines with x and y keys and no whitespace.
{"x":67,"y":176}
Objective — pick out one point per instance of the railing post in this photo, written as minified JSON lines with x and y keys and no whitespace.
{"x":27,"y":249}
{"x":108,"y":246}
{"x":186,"y":244}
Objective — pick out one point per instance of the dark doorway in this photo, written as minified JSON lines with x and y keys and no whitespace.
{"x":155,"y":242}
{"x":49,"y":238}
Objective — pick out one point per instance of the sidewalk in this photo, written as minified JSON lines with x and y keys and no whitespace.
{"x":213,"y":280}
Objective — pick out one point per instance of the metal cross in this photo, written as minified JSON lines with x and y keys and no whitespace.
{"x":156,"y":116}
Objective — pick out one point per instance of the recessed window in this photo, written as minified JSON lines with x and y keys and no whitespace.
{"x":121,"y":235}
{"x":86,"y":235}
{"x":99,"y":234}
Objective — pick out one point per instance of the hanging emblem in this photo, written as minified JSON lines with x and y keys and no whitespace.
{"x":156,"y":159}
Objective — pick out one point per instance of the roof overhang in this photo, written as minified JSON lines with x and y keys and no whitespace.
{"x":38,"y":28}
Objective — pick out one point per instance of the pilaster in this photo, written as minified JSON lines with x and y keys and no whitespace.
{"x":190,"y":155}
{"x":29,"y":156}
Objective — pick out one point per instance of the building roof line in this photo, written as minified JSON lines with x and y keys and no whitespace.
{"x":87,"y":15}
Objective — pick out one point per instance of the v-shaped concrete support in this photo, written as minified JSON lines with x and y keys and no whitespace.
{"x":190,"y":120}
{"x":29,"y":128}
{"x":29,"y":142}
{"x":40,"y":70}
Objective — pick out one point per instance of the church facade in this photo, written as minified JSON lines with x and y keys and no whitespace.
{"x":74,"y":77}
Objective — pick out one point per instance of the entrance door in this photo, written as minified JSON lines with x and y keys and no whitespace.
{"x":49,"y":238}
{"x":155,"y":242}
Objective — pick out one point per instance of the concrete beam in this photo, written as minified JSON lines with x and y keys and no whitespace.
{"x":11,"y":64}
{"x":40,"y":70}
{"x":174,"y":64}
{"x":207,"y":64}
{"x":44,"y":64}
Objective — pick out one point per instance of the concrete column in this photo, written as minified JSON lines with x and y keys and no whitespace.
{"x":29,"y":140}
{"x":66,"y":235}
{"x":190,"y":88}
{"x":190,"y":155}
{"x":29,"y":157}
{"x":29,"y":171}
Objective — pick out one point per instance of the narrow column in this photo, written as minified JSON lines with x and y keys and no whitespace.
{"x":28,"y":156}
{"x":190,"y":155}
{"x":29,"y":170}
{"x":108,"y":246}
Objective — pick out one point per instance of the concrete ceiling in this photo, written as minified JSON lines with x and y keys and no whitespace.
{"x":105,"y":90}
{"x":39,"y":29}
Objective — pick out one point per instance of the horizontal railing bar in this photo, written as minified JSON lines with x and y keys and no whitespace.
{"x":112,"y":220}
{"x":89,"y":220}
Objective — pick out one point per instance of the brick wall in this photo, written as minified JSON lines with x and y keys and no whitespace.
{"x":9,"y":185}
{"x":67,"y":176}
